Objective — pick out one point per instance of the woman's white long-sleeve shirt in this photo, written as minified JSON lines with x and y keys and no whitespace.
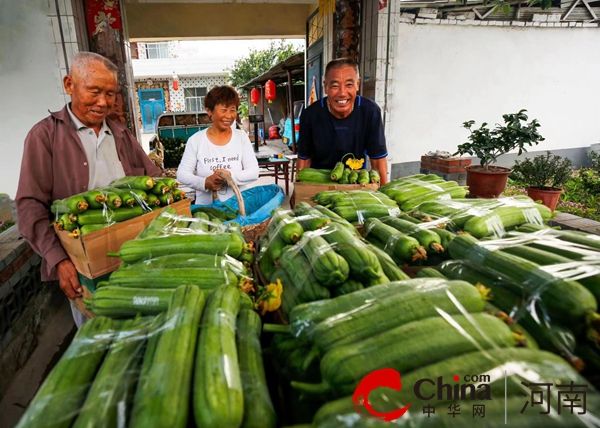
{"x":204,"y":157}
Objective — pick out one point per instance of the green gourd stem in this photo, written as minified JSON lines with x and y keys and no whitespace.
{"x":312,"y":388}
{"x":276,"y":328}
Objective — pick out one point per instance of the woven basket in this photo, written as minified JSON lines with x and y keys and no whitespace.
{"x":158,"y":154}
{"x":253,"y":232}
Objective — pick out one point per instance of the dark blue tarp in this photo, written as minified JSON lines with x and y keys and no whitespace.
{"x":259,"y":202}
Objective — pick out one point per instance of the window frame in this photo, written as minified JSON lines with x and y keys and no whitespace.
{"x":197,"y":97}
{"x":160,"y":48}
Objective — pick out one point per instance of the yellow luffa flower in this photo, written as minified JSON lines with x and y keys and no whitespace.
{"x":270,"y":300}
{"x":355,"y":163}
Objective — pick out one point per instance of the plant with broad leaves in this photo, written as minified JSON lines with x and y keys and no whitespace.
{"x":243,"y":109}
{"x":488,"y":144}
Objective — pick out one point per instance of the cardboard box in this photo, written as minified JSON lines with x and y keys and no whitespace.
{"x":304,"y":191}
{"x":89,"y":252}
{"x":78,"y":303}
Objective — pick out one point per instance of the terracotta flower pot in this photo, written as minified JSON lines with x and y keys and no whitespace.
{"x":487,"y":183}
{"x":548,"y":195}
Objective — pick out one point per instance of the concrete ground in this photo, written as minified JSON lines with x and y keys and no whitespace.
{"x":52,"y":344}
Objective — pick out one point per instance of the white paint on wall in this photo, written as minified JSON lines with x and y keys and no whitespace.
{"x":178,"y":97}
{"x":443,"y":76}
{"x":30,"y":78}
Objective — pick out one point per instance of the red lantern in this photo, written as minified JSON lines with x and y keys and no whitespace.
{"x":175,"y":82}
{"x":270,"y":91}
{"x":255,"y":96}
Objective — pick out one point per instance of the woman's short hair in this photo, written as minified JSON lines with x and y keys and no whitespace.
{"x":224,"y":95}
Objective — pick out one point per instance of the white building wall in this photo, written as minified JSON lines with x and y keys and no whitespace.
{"x":178,"y":97}
{"x":444,"y":75}
{"x":32,"y":64}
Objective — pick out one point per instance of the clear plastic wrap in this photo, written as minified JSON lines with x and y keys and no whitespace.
{"x":124,"y":199}
{"x":408,"y":192}
{"x":357,"y":205}
{"x":554,"y":298}
{"x":141,"y":372}
{"x":525,"y":387}
{"x":162,"y":396}
{"x":400,"y":247}
{"x":175,"y":250}
{"x":59,"y":399}
{"x":218,"y":396}
{"x":433,"y":344}
{"x":327,"y":259}
{"x":483,"y":217}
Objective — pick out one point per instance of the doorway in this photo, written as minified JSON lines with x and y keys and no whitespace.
{"x":152,"y":105}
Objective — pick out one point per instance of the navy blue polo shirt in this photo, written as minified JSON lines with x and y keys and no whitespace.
{"x":325,"y":139}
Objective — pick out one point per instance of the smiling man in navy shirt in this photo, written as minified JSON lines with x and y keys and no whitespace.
{"x":341,"y":123}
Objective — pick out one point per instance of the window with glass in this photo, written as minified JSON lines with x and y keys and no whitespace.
{"x":194,"y":99}
{"x":157,"y":50}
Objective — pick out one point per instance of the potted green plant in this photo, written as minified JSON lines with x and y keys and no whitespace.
{"x":486,"y":180}
{"x":243,"y":113}
{"x":545,"y":175}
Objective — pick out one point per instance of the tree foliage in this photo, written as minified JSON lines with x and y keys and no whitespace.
{"x":259,"y":61}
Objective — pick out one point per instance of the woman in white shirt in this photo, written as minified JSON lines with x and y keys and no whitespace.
{"x":218,"y":149}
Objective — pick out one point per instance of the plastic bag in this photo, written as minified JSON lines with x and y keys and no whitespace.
{"x":483,"y":217}
{"x":259,"y":202}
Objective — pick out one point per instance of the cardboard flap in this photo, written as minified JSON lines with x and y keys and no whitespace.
{"x":89,"y":252}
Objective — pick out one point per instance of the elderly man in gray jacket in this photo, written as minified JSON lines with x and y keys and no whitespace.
{"x":69,"y":152}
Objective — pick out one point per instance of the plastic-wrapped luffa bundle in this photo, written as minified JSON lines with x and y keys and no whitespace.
{"x":552,"y":297}
{"x":431,"y":345}
{"x":357,"y":205}
{"x":172,"y":251}
{"x":123,"y":200}
{"x":202,"y":354}
{"x":409,"y":192}
{"x":483,"y":217}
{"x":316,"y":257}
{"x":515,"y":387}
{"x":61,"y":397}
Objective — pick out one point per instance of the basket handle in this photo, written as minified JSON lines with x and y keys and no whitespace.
{"x":236,"y":191}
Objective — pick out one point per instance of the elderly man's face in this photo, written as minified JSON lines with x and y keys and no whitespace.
{"x":93,"y":92}
{"x":341,"y":86}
